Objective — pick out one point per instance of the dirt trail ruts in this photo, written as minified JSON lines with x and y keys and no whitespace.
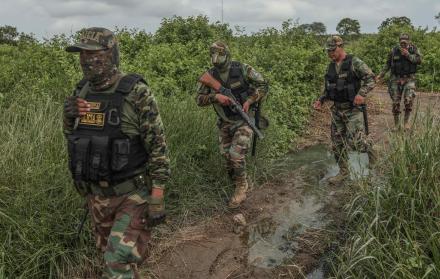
{"x":219,"y":247}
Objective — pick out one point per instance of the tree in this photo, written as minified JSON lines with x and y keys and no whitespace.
{"x":437,"y":17}
{"x":317,"y":28}
{"x":398,"y":21}
{"x":10,"y":35}
{"x":348,"y":26}
{"x":179,"y":29}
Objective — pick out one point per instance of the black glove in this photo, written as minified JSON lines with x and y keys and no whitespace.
{"x":156,"y":211}
{"x":71,"y":107}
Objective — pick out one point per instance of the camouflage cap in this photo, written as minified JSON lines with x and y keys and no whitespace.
{"x":333,"y":42}
{"x":404,"y":37}
{"x":95,"y":38}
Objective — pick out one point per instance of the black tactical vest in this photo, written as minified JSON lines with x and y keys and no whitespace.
{"x":98,"y":150}
{"x":344,"y":86}
{"x":236,"y":82}
{"x":400,"y":65}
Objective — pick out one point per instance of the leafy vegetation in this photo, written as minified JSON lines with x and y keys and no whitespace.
{"x":348,"y":27}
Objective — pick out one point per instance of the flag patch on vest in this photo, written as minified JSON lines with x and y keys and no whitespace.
{"x":93,"y":119}
{"x":94,"y":105}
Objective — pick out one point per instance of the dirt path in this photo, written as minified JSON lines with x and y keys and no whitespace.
{"x":285,"y":225}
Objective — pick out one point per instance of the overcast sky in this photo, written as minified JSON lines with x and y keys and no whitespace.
{"x":45,"y":18}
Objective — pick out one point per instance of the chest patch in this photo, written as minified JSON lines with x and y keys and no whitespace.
{"x":93,"y":119}
{"x":94,"y":105}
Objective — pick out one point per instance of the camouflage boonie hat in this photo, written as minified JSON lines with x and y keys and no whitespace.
{"x":333,"y":42}
{"x":95,"y":38}
{"x":404,"y":37}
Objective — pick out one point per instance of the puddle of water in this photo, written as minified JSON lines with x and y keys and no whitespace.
{"x":274,"y":240}
{"x":316,"y":274}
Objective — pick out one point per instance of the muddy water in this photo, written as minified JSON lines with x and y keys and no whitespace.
{"x":273,"y":240}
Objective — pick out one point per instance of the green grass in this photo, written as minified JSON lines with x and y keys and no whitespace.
{"x":395,"y":220}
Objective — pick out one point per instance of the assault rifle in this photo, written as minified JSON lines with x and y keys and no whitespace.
{"x":208,"y":80}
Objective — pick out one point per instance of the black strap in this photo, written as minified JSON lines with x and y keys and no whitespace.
{"x":346,"y":65}
{"x":235,"y":71}
{"x":127,"y":83}
{"x":81,"y":84}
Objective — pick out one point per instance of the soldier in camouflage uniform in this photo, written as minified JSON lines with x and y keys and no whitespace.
{"x":248,"y":87}
{"x":117,"y":152}
{"x":402,"y":61}
{"x":347,"y":82}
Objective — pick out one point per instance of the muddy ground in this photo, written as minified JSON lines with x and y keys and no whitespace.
{"x":287,"y":225}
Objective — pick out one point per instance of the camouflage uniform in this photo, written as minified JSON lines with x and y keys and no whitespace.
{"x":402,"y":85}
{"x":234,"y":134}
{"x":120,"y":219}
{"x":347,"y":125}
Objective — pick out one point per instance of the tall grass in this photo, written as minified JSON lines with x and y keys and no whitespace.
{"x":395,"y":221}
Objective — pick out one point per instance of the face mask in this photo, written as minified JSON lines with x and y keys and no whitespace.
{"x":98,"y":67}
{"x":217,"y":59}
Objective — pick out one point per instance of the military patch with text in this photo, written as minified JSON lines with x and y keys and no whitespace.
{"x":93,"y":119}
{"x":94,"y":105}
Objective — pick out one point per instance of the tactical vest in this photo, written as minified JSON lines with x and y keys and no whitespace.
{"x":400,"y":65}
{"x":344,"y":86}
{"x":237,"y":83}
{"x":98,"y":150}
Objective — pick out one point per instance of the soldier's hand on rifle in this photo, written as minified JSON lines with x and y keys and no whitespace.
{"x":246,"y":106}
{"x":317,"y":105}
{"x":223,"y":100}
{"x":75,"y":107}
{"x":156,"y":208}
{"x":359,"y":100}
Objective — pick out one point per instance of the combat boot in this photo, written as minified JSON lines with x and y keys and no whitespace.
{"x":241,"y":186}
{"x":406,"y":124}
{"x":340,"y":177}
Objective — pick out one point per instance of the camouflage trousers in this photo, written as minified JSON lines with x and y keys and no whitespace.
{"x":120,"y":232}
{"x":234,"y":145}
{"x":348,"y":133}
{"x":397,"y":88}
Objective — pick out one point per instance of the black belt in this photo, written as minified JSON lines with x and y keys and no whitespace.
{"x":105,"y":189}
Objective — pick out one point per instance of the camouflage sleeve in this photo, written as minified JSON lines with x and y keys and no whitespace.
{"x":205,"y":96}
{"x":365,"y":74}
{"x":153,"y":135}
{"x":257,"y":81}
{"x":387,"y":66}
{"x":415,"y":57}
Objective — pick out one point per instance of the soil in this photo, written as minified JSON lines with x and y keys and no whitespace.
{"x":219,"y":247}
